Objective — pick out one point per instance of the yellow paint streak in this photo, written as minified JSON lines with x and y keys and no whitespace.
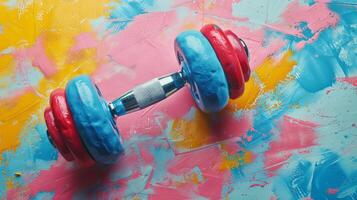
{"x":193,"y":133}
{"x":234,"y":161}
{"x":195,"y":178}
{"x":191,"y":177}
{"x":22,"y":25}
{"x":272,"y":72}
{"x":58,"y":23}
{"x":13,"y":117}
{"x":6,"y":63}
{"x":9,"y":183}
{"x":248,"y":99}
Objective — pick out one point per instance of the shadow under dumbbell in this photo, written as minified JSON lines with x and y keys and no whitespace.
{"x":201,"y":130}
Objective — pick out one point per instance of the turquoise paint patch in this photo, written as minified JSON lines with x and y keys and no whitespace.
{"x":242,"y":188}
{"x":316,"y":71}
{"x":99,"y":25}
{"x":331,"y":55}
{"x":344,"y":36}
{"x":34,"y":154}
{"x":11,"y":3}
{"x":306,"y":31}
{"x":320,"y":62}
{"x":136,"y":187}
{"x":43,"y":196}
{"x":20,"y":81}
{"x":307,"y":2}
{"x":182,"y":13}
{"x":124,"y":12}
{"x":122,"y":174}
{"x":162,"y":155}
{"x":337,"y":112}
{"x":312,"y":176}
{"x":261,"y":12}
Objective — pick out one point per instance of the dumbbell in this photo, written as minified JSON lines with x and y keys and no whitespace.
{"x":80,"y":123}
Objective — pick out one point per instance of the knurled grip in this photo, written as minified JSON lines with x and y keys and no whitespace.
{"x":149,"y":93}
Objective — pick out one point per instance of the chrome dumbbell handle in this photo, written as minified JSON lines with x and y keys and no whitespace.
{"x":147,"y":94}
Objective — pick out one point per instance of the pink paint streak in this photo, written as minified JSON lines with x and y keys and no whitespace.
{"x":350,"y":80}
{"x":317,"y":17}
{"x":294,"y":135}
{"x":332,"y":191}
{"x":39,"y":58}
{"x":85,"y":41}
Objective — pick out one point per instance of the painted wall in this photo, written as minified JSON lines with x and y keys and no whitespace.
{"x":292,"y":135}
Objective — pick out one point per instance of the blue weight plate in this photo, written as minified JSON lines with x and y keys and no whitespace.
{"x":93,"y":120}
{"x":203,"y":71}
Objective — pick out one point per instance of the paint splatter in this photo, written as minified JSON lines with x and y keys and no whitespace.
{"x":290,"y":136}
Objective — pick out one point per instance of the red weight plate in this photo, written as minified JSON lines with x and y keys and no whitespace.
{"x":67,"y":127}
{"x":227,"y":57}
{"x":240,"y":52}
{"x":55,"y":135}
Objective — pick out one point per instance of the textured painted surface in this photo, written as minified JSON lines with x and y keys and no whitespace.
{"x":292,"y":135}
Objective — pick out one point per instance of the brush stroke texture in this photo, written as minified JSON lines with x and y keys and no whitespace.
{"x":292,"y":134}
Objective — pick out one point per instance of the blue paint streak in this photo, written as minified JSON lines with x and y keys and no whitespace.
{"x":44,"y":151}
{"x":310,"y":2}
{"x":314,"y":74}
{"x":34,"y":154}
{"x":43,"y":195}
{"x":319,"y":64}
{"x":332,"y":54}
{"x":299,"y":180}
{"x":317,"y":69}
{"x":314,"y":179}
{"x":137,"y":186}
{"x":30,"y":78}
{"x":306,"y":31}
{"x":162,"y":156}
{"x":334,"y":50}
{"x":329,"y":174}
{"x":125,"y":12}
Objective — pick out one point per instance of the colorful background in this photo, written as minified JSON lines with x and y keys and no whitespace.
{"x":292,"y":135}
